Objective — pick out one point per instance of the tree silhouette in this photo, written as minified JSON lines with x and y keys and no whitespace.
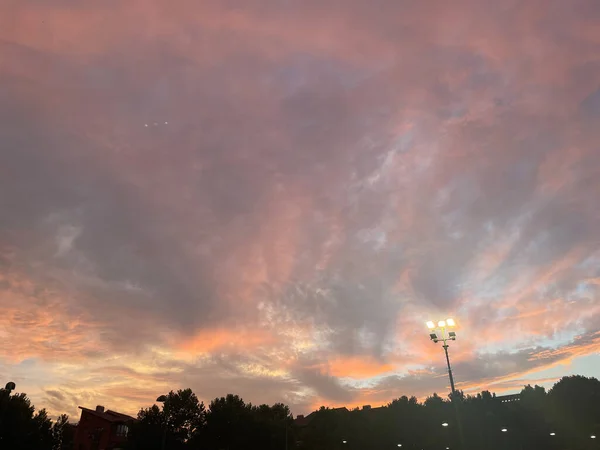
{"x":21,"y":427}
{"x":563,"y":418}
{"x":179,"y":420}
{"x":62,"y":433}
{"x":574,"y":407}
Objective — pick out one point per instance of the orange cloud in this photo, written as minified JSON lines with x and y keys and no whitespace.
{"x":211,"y":340}
{"x":357,"y":367}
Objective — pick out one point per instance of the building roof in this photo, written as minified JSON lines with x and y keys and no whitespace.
{"x":108,"y":415}
{"x":508,"y":398}
{"x":302,"y":421}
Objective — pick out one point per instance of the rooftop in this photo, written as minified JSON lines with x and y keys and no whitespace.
{"x":108,"y":415}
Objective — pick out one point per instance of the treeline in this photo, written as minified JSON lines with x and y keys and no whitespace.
{"x":183,"y":422}
{"x":22,"y":428}
{"x":566,"y":417}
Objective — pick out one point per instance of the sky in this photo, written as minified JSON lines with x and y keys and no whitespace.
{"x":271,"y":197}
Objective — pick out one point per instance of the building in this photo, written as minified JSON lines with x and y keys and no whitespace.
{"x":508,"y":398}
{"x":101,"y":430}
{"x":302,"y":421}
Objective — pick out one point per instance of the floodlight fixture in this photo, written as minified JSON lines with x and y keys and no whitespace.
{"x":450,"y":322}
{"x":430,"y":325}
{"x":442,"y":323}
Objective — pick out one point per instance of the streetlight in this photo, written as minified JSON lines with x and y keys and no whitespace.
{"x":593,"y":436}
{"x":504,"y":430}
{"x":553,"y":434}
{"x":162,"y":399}
{"x":445,"y":424}
{"x":444,"y":336}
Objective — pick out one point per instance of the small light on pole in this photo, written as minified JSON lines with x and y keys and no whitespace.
{"x":553,"y":434}
{"x":504,"y":430}
{"x":593,"y":436}
{"x":445,"y":424}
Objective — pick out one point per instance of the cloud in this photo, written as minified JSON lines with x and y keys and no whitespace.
{"x":302,"y":199}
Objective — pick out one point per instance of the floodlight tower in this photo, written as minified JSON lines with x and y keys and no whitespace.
{"x":444,"y":336}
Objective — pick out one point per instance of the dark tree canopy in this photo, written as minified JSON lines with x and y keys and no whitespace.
{"x":21,"y":427}
{"x":564,"y":418}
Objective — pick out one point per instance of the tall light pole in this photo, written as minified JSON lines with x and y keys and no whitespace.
{"x":444,"y":336}
{"x":163,"y":399}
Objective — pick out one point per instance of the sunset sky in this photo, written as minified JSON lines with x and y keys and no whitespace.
{"x":271,"y":197}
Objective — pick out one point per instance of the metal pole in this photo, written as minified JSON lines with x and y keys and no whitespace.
{"x":449,"y":369}
{"x":454,"y":400}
